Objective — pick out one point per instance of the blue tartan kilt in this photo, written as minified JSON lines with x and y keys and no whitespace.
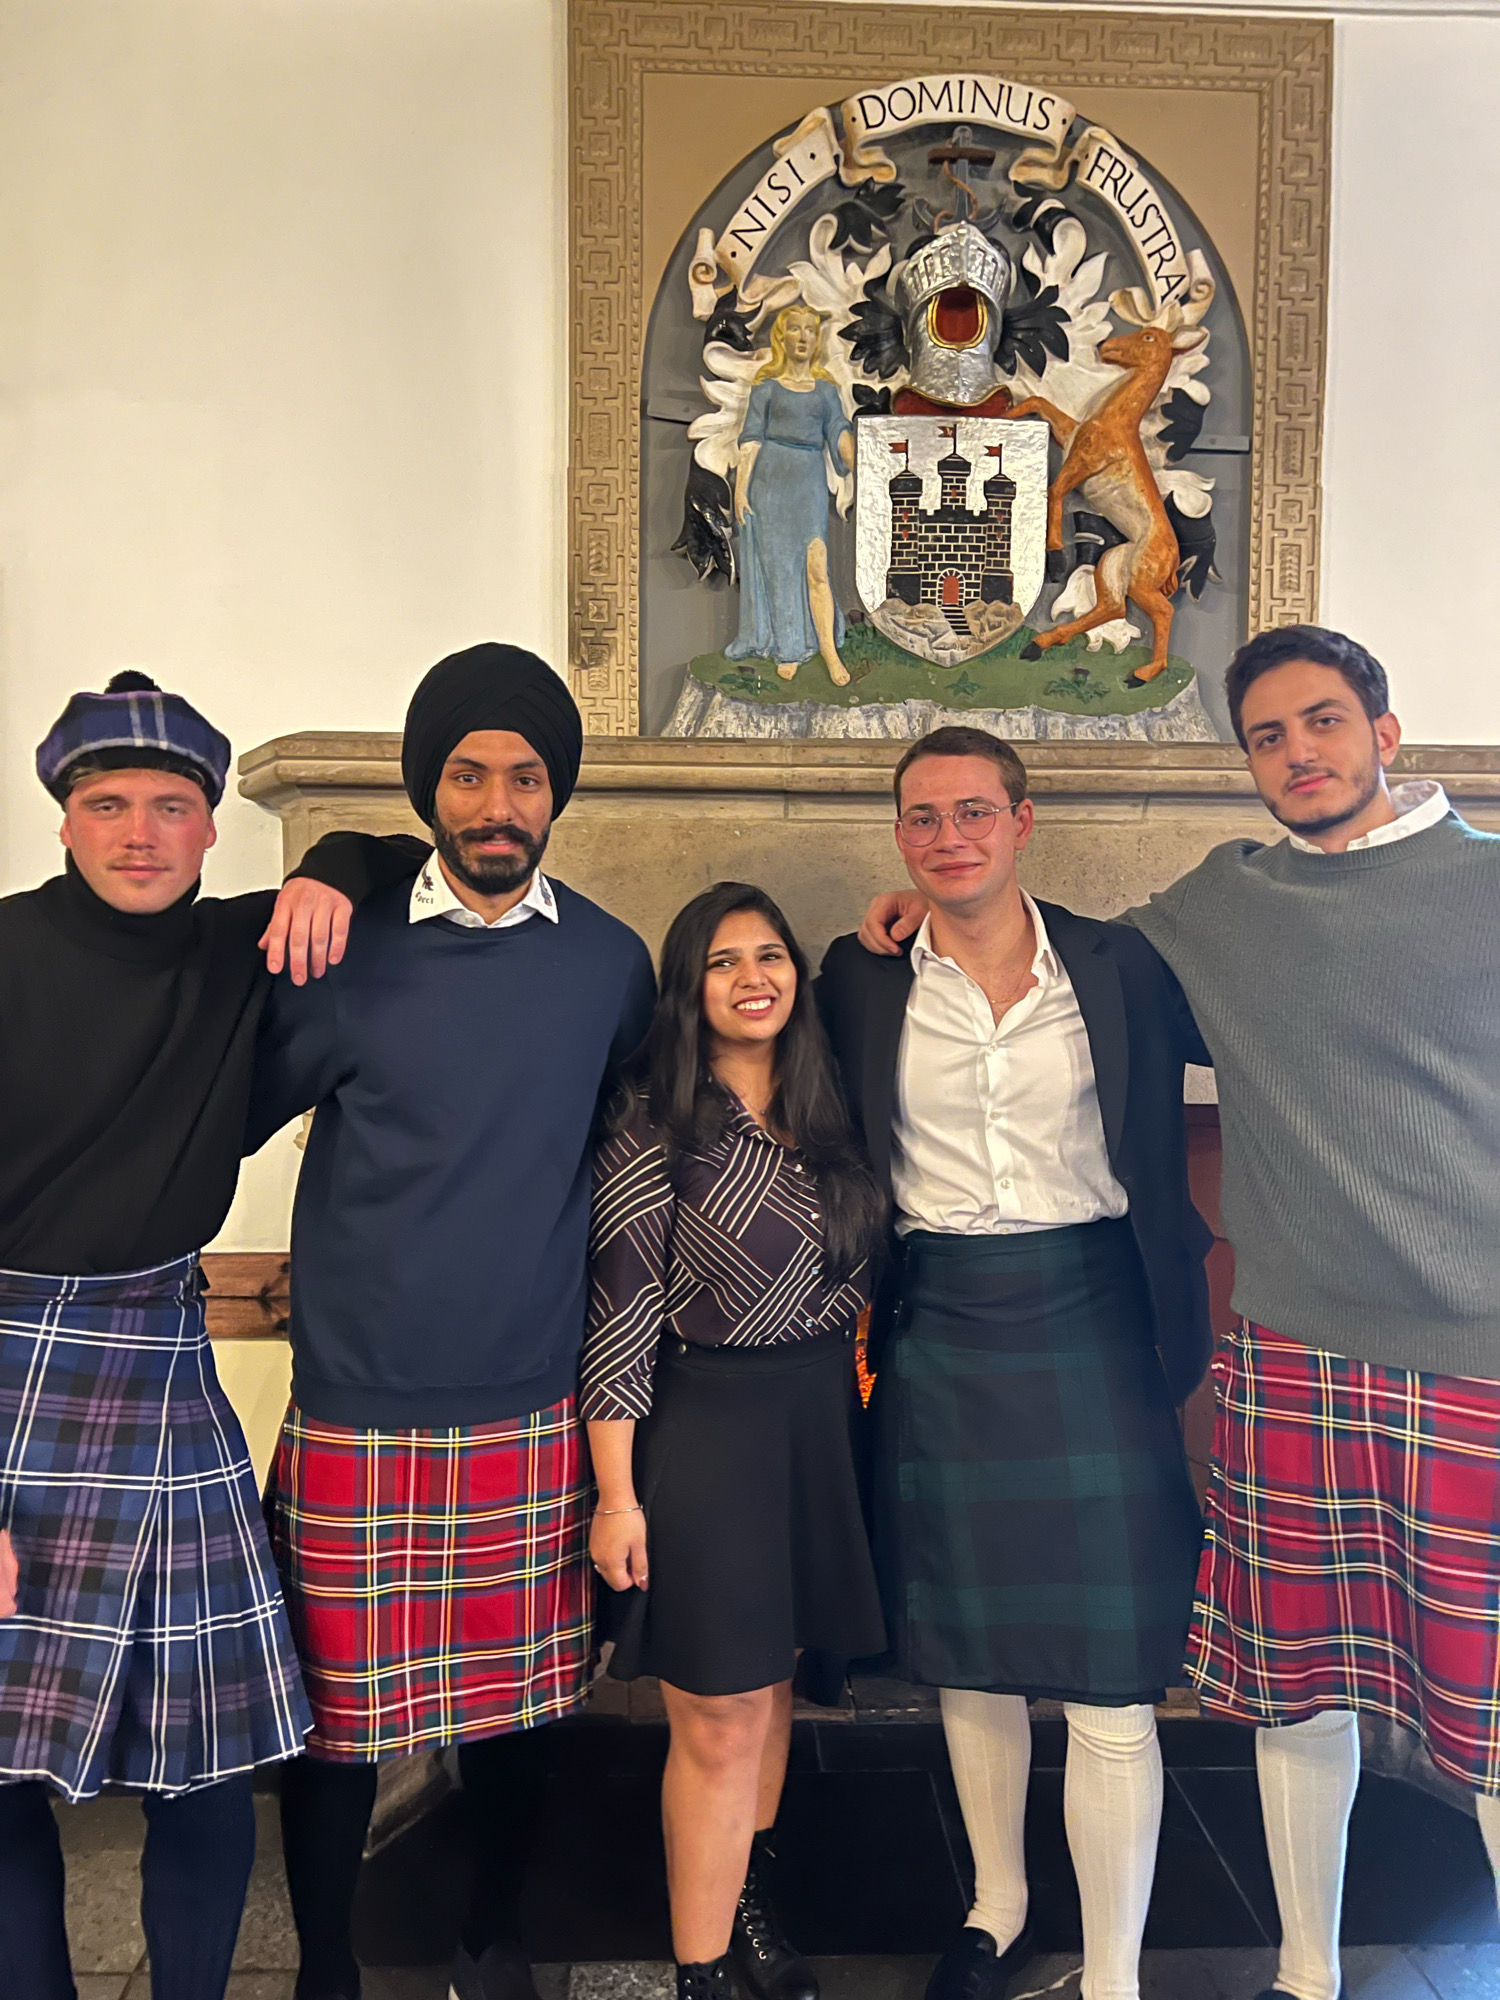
{"x":149,"y":1647}
{"x":1036,"y":1527}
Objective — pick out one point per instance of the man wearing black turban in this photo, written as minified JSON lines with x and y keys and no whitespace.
{"x":485,"y":688}
{"x":430,"y":1500}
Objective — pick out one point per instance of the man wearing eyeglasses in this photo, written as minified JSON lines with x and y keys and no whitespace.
{"x":1017,"y":1074}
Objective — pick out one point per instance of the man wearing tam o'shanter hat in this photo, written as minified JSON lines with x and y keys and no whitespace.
{"x":143,"y":1641}
{"x":430,"y":1500}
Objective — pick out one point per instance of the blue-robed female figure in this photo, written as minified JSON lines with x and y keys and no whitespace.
{"x":794,"y":422}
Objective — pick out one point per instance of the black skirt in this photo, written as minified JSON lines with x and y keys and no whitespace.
{"x":755,"y":1537}
{"x":1036,"y":1525}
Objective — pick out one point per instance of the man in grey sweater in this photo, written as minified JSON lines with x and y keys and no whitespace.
{"x":1346,"y":981}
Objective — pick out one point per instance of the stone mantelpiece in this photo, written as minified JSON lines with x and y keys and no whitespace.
{"x":654,"y":821}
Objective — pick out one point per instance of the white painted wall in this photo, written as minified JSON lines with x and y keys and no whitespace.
{"x":1411,"y":515}
{"x":281,"y":370}
{"x":282,"y":357}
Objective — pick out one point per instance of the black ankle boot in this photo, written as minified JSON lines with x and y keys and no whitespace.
{"x":771,"y":1967}
{"x":705,"y":1982}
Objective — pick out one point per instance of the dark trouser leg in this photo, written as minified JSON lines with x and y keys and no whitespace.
{"x":194,"y":1870}
{"x":325,"y":1815}
{"x":33,"y":1938}
{"x":504,"y":1781}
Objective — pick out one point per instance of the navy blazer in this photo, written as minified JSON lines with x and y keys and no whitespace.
{"x":1140,"y":1032}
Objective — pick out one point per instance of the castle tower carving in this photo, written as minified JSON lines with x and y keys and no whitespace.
{"x":952,"y":555}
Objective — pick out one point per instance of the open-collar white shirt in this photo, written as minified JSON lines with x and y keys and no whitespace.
{"x":432,"y":896}
{"x":997,"y":1126}
{"x":1419,"y":804}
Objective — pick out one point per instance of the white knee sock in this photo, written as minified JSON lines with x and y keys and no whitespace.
{"x":989,"y":1746}
{"x":1112,"y":1805}
{"x":1489,"y":1825}
{"x":1309,"y":1773}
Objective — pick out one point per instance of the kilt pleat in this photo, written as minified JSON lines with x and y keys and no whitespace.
{"x":1352,"y":1557}
{"x":1036,"y":1529}
{"x":438,"y":1580}
{"x":150,"y":1646}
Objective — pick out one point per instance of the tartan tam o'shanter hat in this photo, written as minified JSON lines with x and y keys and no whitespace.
{"x":133,"y":721}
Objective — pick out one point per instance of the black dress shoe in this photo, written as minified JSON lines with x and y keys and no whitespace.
{"x":974,"y":1968}
{"x":772,"y":1968}
{"x":1280,"y":1993}
{"x":503,"y":1972}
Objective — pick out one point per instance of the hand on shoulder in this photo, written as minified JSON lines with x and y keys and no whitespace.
{"x":890,"y":920}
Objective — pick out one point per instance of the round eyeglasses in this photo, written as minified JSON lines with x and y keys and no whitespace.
{"x":921,"y":826}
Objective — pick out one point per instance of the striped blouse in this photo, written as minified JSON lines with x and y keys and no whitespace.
{"x":730,"y":1257}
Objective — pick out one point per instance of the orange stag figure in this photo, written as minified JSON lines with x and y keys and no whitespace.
{"x":1104,"y":459}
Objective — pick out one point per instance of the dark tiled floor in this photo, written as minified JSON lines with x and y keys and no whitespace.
{"x":875,"y":1860}
{"x":876,"y":1878}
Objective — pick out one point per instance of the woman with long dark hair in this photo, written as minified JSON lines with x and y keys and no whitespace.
{"x":733,"y":1223}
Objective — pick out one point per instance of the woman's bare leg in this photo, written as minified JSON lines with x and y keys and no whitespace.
{"x":773,"y":1757}
{"x":820,"y":597}
{"x":710,"y":1796}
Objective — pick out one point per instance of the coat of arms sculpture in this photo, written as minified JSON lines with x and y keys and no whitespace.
{"x":955,"y":351}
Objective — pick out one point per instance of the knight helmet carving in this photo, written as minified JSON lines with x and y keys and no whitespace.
{"x":951,"y":295}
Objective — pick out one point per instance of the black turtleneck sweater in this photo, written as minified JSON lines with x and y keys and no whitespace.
{"x":125,"y":1051}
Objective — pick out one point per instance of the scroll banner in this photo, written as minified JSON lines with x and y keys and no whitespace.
{"x":1107,"y":170}
{"x":804,"y":160}
{"x":923,"y":100}
{"x":1101,"y":162}
{"x":812,"y":154}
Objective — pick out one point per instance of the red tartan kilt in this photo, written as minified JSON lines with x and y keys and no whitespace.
{"x":437,"y":1581}
{"x":1351,"y":1557}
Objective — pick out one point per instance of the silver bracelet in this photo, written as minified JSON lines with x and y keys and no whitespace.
{"x":607,"y":1511}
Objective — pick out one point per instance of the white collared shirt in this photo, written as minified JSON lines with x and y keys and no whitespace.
{"x":997,"y":1126}
{"x":1419,"y":804}
{"x":432,"y":896}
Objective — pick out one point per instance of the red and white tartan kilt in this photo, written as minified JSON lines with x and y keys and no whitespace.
{"x":1352,"y":1558}
{"x":437,"y":1581}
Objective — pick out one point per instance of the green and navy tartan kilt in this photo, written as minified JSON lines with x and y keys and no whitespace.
{"x":438,"y":1580}
{"x":1036,"y":1529}
{"x":1353,"y":1549}
{"x":149,"y":1647}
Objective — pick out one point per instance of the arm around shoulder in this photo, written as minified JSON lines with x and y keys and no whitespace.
{"x":1167,"y":999}
{"x":359,"y":865}
{"x":297,"y":1055}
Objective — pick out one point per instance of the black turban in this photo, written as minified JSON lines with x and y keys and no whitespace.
{"x":490,"y":687}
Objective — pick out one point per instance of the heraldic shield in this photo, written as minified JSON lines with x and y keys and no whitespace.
{"x":950,"y":529}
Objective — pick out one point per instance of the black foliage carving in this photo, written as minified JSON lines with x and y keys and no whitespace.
{"x":1039,"y":215}
{"x":870,"y":402}
{"x":1196,"y":543}
{"x":732,"y":327}
{"x":707,"y":538}
{"x":862,"y":220}
{"x":1035,"y":325}
{"x":1092,"y":535}
{"x":1184,"y":420}
{"x":877,"y":341}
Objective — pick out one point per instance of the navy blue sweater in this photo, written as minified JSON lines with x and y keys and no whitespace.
{"x":440,"y":1232}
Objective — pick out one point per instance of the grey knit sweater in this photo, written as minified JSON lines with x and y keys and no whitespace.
{"x":1351,"y":1003}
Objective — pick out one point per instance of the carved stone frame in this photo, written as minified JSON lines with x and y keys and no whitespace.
{"x":1286,"y":63}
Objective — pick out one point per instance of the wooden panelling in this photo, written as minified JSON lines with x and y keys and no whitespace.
{"x":248,"y":1294}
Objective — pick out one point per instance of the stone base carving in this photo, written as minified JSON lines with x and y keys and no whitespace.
{"x":707,"y":712}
